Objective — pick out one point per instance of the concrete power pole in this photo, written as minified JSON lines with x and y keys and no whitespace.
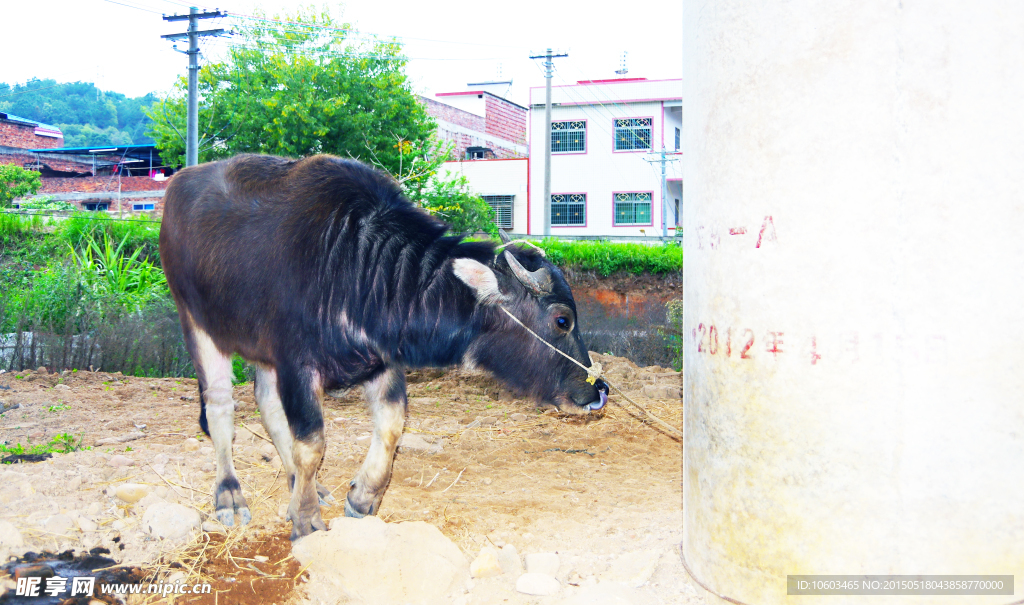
{"x":193,"y":34}
{"x":548,"y":74}
{"x":664,"y":186}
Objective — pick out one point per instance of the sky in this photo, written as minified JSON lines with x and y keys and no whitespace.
{"x":117,"y":44}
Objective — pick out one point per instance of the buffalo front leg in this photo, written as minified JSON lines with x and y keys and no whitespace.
{"x":301,"y":398}
{"x":268,"y":399}
{"x":386,"y":396}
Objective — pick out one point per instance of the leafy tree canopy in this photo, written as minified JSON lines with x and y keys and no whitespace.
{"x":85,"y":114}
{"x":298,"y":85}
{"x":15,"y":182}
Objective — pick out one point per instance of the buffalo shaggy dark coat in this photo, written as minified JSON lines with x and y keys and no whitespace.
{"x":321,"y":274}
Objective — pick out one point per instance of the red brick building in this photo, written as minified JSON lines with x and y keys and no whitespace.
{"x":480,"y":122}
{"x":22,"y":133}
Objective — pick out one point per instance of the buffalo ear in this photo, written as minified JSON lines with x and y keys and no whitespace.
{"x":480,"y":279}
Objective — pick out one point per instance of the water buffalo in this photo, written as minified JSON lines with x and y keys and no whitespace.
{"x":322,"y":275}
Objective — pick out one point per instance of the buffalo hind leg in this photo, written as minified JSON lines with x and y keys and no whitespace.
{"x":214,"y":371}
{"x":386,"y":396}
{"x":268,"y":399}
{"x":301,"y":398}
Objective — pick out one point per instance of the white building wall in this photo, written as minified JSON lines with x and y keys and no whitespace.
{"x":498,"y":177}
{"x":600,"y":171}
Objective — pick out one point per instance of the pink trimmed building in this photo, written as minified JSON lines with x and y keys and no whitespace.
{"x":480,"y":121}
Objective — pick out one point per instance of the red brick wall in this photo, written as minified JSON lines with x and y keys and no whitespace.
{"x":25,"y":137}
{"x":21,"y":159}
{"x":94,"y":184}
{"x":505,"y":120}
{"x":454,"y":115}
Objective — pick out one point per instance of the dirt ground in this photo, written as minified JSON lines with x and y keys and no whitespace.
{"x":589,"y":488}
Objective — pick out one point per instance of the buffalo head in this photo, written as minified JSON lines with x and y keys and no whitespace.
{"x":534,"y":291}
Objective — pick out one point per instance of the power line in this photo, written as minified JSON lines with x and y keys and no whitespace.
{"x":132,"y":6}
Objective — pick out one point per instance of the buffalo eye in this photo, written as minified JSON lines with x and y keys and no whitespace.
{"x":563,"y":323}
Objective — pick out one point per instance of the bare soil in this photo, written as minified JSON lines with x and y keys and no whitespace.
{"x":590,"y":488}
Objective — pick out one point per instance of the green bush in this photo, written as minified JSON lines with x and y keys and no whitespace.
{"x":606,"y":258}
{"x":134,"y":233}
{"x":46,"y":203}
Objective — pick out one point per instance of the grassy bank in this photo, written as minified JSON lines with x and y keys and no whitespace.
{"x":606,"y":258}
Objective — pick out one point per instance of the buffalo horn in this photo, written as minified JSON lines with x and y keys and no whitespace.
{"x":539,"y":281}
{"x":505,"y":239}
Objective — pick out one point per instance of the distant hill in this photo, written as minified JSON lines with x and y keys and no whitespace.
{"x":86,"y":115}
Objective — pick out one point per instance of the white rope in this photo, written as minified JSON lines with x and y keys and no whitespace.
{"x":594,"y":373}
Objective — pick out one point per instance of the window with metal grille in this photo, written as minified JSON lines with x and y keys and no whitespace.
{"x":96,"y":206}
{"x":633,"y":208}
{"x":569,"y":209}
{"x":501,"y":205}
{"x":569,"y":137}
{"x":678,"y":136}
{"x":632,"y":133}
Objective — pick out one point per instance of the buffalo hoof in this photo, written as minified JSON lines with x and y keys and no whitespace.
{"x":350,"y":511}
{"x":306,"y":525}
{"x":229,"y":501}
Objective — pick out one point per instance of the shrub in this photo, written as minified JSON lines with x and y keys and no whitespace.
{"x":16,"y":182}
{"x":134,"y":233}
{"x":606,"y":258}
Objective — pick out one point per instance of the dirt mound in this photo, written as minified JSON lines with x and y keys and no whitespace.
{"x":592,"y":488}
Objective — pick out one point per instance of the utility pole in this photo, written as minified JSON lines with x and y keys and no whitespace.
{"x":664,"y":186}
{"x":193,"y":34}
{"x":548,"y":74}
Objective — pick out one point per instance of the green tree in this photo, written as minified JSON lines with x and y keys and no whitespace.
{"x":299,"y":85}
{"x":15,"y":182}
{"x":449,"y":199}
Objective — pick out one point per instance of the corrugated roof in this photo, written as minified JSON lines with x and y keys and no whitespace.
{"x":13,"y":118}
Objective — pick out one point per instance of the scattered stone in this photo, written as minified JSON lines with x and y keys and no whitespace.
{"x":268,"y":451}
{"x":148,"y":500}
{"x":170,"y":521}
{"x":543,"y":562}
{"x":119,"y":524}
{"x":206,"y":451}
{"x":496,"y":539}
{"x":382,"y":563}
{"x":120,"y":461}
{"x":121,"y":439}
{"x":487,"y":480}
{"x":487,"y":419}
{"x":510,"y":562}
{"x":58,"y":524}
{"x":61,"y":387}
{"x":10,"y":537}
{"x":86,"y":524}
{"x":74,"y":484}
{"x":131,"y":492}
{"x":276,"y":463}
{"x":418,"y":443}
{"x":661,"y":391}
{"x":538,"y":584}
{"x":208,"y":467}
{"x":517,"y":417}
{"x":161,"y":459}
{"x":191,"y":444}
{"x":633,"y":569}
{"x":94,"y":509}
{"x":486,"y":564}
{"x":161,"y":492}
{"x":213,"y":527}
{"x":261,"y":558}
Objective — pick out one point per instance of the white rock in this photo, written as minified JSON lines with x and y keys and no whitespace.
{"x":542,"y":562}
{"x":172,"y":521}
{"x":206,"y":451}
{"x":517,"y":417}
{"x":510,"y":562}
{"x":382,"y":563}
{"x":10,"y":537}
{"x":208,"y":467}
{"x":74,"y":484}
{"x":58,"y":524}
{"x":538,"y":584}
{"x":412,"y":442}
{"x":190,"y":445}
{"x":131,"y":492}
{"x":661,"y":391}
{"x":161,"y":459}
{"x":161,"y":491}
{"x":94,"y":509}
{"x":147,"y":501}
{"x":486,"y":564}
{"x":86,"y":524}
{"x":120,"y":461}
{"x":633,"y":569}
{"x":213,"y":527}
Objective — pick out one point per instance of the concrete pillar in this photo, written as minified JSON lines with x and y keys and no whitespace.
{"x":854,"y":220}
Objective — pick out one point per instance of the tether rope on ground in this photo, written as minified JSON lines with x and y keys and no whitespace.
{"x":594,"y":372}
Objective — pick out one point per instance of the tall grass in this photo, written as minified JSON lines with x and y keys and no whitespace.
{"x":135,"y":233}
{"x":16,"y":225}
{"x":606,"y":258}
